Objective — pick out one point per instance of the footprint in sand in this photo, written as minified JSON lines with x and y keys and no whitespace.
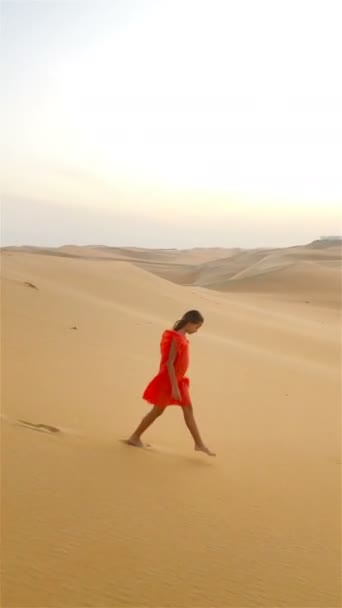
{"x":42,"y":428}
{"x":31,"y":285}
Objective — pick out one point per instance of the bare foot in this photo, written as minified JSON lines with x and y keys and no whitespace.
{"x":203,"y":448}
{"x":137,"y":443}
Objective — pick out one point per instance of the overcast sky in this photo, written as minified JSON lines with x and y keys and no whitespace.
{"x":171,"y":123}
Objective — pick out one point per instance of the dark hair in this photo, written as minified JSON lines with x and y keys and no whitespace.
{"x":192,"y":316}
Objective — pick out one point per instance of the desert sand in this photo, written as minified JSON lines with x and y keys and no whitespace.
{"x":90,"y":521}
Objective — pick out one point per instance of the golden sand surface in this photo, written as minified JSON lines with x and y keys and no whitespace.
{"x":90,"y":521}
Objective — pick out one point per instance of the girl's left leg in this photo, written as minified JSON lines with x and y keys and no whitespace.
{"x":190,"y":422}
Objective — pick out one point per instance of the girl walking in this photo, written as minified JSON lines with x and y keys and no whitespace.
{"x":171,"y":386}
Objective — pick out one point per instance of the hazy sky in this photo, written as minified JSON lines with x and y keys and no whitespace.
{"x":171,"y":122}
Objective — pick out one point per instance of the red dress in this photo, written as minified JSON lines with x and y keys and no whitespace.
{"x":159,"y":390}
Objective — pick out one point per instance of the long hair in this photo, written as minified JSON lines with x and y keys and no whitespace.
{"x":192,"y":316}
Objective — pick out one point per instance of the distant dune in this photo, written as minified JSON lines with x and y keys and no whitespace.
{"x":88,"y":521}
{"x":298,"y":272}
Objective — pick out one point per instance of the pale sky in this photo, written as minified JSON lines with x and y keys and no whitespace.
{"x":171,"y":123}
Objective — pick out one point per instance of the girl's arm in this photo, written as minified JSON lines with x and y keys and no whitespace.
{"x":171,"y":370}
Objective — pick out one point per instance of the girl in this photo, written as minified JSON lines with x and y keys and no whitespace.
{"x":170,"y":386}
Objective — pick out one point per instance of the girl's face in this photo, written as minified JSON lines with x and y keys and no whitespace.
{"x":192,"y":328}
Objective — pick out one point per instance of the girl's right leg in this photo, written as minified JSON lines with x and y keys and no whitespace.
{"x":190,"y":422}
{"x":143,"y":426}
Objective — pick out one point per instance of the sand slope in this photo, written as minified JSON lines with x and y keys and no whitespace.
{"x":89,"y":521}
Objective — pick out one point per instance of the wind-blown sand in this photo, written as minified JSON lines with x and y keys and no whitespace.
{"x":89,"y":521}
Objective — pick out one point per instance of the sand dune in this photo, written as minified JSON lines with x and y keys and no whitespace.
{"x":189,"y":256}
{"x":306,"y":273}
{"x":323,"y":285}
{"x":309,"y":281}
{"x":89,"y":521}
{"x":301,"y":273}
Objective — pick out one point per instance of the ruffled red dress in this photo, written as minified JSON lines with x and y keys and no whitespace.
{"x":159,"y":390}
